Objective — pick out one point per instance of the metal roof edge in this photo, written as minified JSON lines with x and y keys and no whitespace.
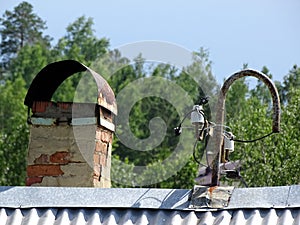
{"x":29,"y":197}
{"x":265,"y":197}
{"x":142,"y":198}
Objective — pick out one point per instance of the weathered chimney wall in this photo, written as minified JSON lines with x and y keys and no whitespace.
{"x":66,"y":151}
{"x":70,"y":143}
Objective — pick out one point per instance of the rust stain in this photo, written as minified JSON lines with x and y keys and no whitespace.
{"x":211,"y":189}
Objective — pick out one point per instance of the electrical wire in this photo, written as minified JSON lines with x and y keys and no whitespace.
{"x":249,"y":141}
{"x":186,"y":115}
{"x":238,"y":140}
{"x":202,"y":150}
{"x":243,"y":181}
{"x":194,"y":154}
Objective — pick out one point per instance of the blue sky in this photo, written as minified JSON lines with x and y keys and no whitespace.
{"x":257,"y":32}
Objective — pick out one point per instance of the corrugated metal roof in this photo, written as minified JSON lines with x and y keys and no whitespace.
{"x":53,"y":205}
{"x":90,"y":216}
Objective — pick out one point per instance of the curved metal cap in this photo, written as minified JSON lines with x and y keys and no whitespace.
{"x":53,"y":75}
{"x":268,"y":82}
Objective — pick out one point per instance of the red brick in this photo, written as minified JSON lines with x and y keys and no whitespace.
{"x":40,"y":106}
{"x":95,"y":178}
{"x":97,"y":170}
{"x":43,"y":159}
{"x":44,"y":170}
{"x":98,"y":134}
{"x":106,"y":136}
{"x":101,"y":147}
{"x":64,"y":105}
{"x":103,"y":159}
{"x":60,"y":157}
{"x":96,"y":159}
{"x":33,"y":180}
{"x":100,"y":159}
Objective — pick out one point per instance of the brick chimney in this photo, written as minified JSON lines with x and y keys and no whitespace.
{"x":70,"y":143}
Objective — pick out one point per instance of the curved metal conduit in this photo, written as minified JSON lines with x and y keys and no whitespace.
{"x":217,"y":137}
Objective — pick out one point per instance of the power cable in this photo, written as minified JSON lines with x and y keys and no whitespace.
{"x":249,"y":141}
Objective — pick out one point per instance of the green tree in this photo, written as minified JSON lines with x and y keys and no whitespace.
{"x":18,"y":28}
{"x":13,"y":133}
{"x":80,"y":42}
{"x":200,"y":71}
{"x":236,"y":98}
{"x":251,"y":122}
{"x":271,"y":161}
{"x":29,"y":61}
{"x":261,"y":91}
{"x":290,"y":81}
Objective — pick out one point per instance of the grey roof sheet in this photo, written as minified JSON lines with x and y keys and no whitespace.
{"x":53,"y":205}
{"x":27,"y":197}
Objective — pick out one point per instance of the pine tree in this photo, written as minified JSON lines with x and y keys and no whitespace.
{"x":18,"y":28}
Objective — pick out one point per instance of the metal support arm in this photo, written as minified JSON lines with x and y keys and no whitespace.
{"x":217,"y":137}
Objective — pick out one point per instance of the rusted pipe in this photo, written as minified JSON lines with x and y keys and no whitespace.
{"x":217,"y":137}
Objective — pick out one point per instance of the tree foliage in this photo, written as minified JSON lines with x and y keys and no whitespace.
{"x":290,"y":81}
{"x":13,"y":133}
{"x":80,"y":42}
{"x":273,"y":160}
{"x":18,"y":28}
{"x":23,"y":65}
